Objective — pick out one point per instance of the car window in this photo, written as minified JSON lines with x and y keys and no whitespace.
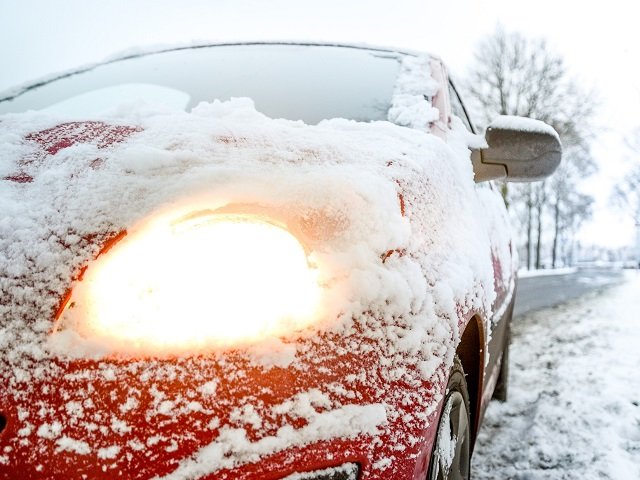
{"x":458,"y":109}
{"x":296,"y":82}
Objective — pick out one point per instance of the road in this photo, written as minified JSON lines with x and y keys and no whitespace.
{"x":543,"y":291}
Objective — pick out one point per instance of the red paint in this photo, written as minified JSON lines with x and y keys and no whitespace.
{"x":20,"y":177}
{"x":53,"y":140}
{"x":65,"y":135}
{"x":273,"y":387}
{"x":107,"y":244}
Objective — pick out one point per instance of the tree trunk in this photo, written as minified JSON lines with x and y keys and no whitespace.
{"x":504,"y":190}
{"x":539,"y":236}
{"x":541,"y":198}
{"x":529,"y":225}
{"x":556,"y":231}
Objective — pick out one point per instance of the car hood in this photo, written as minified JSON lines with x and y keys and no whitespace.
{"x":388,"y":212}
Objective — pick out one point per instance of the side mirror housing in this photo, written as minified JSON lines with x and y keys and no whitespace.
{"x":519,"y":150}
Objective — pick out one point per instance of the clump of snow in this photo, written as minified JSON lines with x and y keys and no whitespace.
{"x":108,"y":452}
{"x":209,"y":388}
{"x":389,"y":215}
{"x":446,"y":447}
{"x":72,"y":445}
{"x":413,"y":94}
{"x":274,"y":353}
{"x":49,"y":431}
{"x":522,"y":124}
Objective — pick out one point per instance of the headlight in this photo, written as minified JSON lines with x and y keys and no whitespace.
{"x":200,"y":281}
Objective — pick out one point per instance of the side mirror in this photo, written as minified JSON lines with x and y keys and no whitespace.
{"x":519,"y":150}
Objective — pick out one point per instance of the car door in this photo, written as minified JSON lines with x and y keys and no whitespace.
{"x":503,"y":263}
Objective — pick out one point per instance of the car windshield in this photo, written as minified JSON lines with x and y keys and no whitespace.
{"x":296,"y":82}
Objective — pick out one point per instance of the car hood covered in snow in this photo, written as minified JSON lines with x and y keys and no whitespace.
{"x":389,"y":216}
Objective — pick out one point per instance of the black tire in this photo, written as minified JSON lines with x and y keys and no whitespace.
{"x":451,"y":454}
{"x":501,"y":391}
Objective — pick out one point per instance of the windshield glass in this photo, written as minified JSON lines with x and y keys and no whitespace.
{"x":296,"y":82}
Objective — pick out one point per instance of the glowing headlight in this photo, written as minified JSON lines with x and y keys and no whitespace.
{"x":202,"y":281}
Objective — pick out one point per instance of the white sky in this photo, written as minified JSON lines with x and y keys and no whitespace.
{"x":599,"y":40}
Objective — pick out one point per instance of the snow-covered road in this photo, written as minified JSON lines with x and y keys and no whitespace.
{"x":574,"y":398}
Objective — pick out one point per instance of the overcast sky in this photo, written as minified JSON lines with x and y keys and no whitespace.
{"x":599,"y":40}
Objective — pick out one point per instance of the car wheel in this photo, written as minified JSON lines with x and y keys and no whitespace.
{"x":451,"y":455}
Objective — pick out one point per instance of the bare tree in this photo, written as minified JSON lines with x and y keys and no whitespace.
{"x":541,"y":200}
{"x":528,"y":199}
{"x":627,"y":192}
{"x":569,"y":207}
{"x":515,"y":75}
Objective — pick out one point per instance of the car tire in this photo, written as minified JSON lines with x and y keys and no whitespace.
{"x":451,"y":454}
{"x":501,"y":391}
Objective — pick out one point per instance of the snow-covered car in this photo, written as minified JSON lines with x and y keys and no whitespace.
{"x":253,"y":261}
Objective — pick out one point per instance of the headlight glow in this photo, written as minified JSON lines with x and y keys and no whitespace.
{"x":203,"y":281}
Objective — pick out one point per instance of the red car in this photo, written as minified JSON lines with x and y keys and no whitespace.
{"x":254,"y":261}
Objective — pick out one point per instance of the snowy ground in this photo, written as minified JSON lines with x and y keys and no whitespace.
{"x":523,"y":272}
{"x":574,"y":406}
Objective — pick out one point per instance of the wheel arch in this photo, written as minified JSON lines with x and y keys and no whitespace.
{"x":471,"y":352}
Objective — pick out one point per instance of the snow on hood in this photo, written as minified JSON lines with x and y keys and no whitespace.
{"x":344,"y":172}
{"x":408,"y":259}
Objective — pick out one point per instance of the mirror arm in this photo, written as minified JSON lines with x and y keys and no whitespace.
{"x":486,"y":171}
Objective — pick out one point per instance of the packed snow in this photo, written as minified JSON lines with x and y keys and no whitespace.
{"x":392,"y":221}
{"x":574,"y":403}
{"x":413,"y":87}
{"x":446,"y":450}
{"x":523,"y":124}
{"x":546,"y":272}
